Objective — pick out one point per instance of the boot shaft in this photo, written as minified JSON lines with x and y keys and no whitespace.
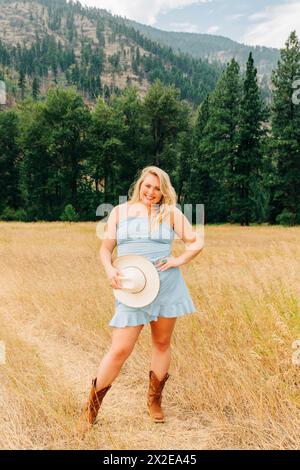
{"x":95,"y":401}
{"x":155,"y":396}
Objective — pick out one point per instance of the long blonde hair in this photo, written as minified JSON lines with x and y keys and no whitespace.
{"x":168,"y":199}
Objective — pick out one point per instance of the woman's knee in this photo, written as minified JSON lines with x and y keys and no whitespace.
{"x":123,"y":342}
{"x":120,"y":353}
{"x":161,"y":344}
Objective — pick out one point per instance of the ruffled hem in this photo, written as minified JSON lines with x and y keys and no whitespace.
{"x":152,"y":312}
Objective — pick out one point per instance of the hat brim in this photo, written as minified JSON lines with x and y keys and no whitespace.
{"x":149,"y":293}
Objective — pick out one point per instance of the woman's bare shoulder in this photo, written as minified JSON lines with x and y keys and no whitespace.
{"x":174,"y":211}
{"x":119,"y":210}
{"x":127,"y":209}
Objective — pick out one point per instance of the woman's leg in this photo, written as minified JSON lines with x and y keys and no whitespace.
{"x":161,"y":332}
{"x":123,"y":341}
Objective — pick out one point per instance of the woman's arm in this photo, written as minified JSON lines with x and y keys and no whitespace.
{"x":107,"y":247}
{"x":109,"y":240}
{"x":190,"y":236}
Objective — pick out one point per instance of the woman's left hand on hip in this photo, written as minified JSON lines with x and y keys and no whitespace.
{"x":166,"y":263}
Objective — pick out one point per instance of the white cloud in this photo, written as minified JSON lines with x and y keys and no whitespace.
{"x":144,"y":11}
{"x":212,"y":29}
{"x":273,"y":25}
{"x":234,"y":17}
{"x":184,"y":27}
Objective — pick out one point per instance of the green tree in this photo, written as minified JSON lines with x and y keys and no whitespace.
{"x":9,"y":155}
{"x":105,"y":136}
{"x":135,"y":138}
{"x":54,"y":144}
{"x":22,"y":83}
{"x":69,"y":214}
{"x":201,"y":187}
{"x":285,"y":188}
{"x":68,"y":120}
{"x":35,"y":88}
{"x":166,"y":117}
{"x":247,"y":172}
{"x":37,"y":169}
{"x":221,"y":142}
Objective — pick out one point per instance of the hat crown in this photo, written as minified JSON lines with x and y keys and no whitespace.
{"x":132,"y":279}
{"x":139,"y":280}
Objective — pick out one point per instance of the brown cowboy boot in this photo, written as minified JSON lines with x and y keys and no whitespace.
{"x":89,"y":414}
{"x":155,"y":397}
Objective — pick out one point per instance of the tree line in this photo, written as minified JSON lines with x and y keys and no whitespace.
{"x":59,"y":159}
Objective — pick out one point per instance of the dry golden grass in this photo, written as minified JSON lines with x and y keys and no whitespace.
{"x":232,"y":384}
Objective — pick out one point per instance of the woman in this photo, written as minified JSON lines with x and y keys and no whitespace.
{"x":145,"y":225}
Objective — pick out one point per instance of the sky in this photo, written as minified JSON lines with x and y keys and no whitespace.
{"x":256,"y":22}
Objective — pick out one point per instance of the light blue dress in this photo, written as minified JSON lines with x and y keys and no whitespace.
{"x":173,"y":298}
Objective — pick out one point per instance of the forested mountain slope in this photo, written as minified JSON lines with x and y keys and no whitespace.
{"x":52,"y":41}
{"x":213,"y":47}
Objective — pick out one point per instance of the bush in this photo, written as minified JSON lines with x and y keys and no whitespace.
{"x":8,"y":214}
{"x":69,"y":214}
{"x":12,"y":214}
{"x":286,"y":218}
{"x":21,"y":215}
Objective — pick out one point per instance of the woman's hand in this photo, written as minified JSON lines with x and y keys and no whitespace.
{"x":166,"y":263}
{"x":113,"y":276}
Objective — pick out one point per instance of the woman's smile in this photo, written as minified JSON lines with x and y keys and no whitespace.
{"x":150,"y":190}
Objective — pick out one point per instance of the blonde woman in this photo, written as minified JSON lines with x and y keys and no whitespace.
{"x":145,"y":225}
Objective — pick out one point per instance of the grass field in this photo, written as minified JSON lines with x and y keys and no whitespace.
{"x":232,"y":380}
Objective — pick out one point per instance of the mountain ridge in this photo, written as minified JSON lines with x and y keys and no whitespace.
{"x":191,"y":40}
{"x":98,"y":52}
{"x":91,"y":49}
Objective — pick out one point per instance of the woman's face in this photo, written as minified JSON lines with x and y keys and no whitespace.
{"x":150,"y":192}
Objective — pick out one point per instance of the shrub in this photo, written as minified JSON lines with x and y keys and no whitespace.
{"x":286,"y":218}
{"x":8,"y":214}
{"x":14,"y":214}
{"x":69,"y":214}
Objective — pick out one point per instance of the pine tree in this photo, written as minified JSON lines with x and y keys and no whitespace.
{"x":221,"y":142}
{"x":9,"y":155}
{"x":248,"y":162}
{"x":21,"y":83}
{"x":35,"y":88}
{"x":285,"y":195}
{"x":54,"y":70}
{"x":100,"y":32}
{"x":201,"y":187}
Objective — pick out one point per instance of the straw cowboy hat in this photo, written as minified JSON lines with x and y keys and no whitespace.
{"x":139,"y":280}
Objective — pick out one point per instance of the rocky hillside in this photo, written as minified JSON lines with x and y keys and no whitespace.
{"x":46,"y":42}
